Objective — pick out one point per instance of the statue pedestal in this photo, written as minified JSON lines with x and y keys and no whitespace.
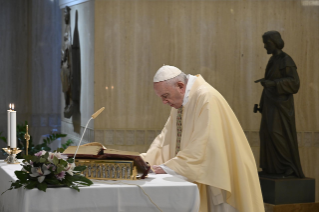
{"x":304,"y":207}
{"x":287,"y":190}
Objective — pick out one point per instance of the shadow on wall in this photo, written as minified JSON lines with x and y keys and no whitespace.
{"x":76,"y":81}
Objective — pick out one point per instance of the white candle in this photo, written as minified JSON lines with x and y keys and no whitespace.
{"x":13,"y":129}
{"x":8,"y":120}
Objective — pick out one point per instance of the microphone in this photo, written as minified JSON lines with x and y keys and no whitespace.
{"x":96,"y":114}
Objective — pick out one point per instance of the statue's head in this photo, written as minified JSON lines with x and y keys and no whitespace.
{"x":67,"y":14}
{"x":272,"y":41}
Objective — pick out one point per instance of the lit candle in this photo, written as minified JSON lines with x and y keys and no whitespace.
{"x":13,"y":128}
{"x":8,"y":120}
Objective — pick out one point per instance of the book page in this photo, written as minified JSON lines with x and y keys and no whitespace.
{"x":85,"y":150}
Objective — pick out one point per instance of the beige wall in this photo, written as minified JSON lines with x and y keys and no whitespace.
{"x":220,"y":40}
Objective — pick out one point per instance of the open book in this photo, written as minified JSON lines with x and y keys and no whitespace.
{"x":97,"y":151}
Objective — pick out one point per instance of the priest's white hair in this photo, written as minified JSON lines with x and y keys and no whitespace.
{"x":182,"y":77}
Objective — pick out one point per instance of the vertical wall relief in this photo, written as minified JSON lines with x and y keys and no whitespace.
{"x":71,"y":70}
{"x":66,"y":65}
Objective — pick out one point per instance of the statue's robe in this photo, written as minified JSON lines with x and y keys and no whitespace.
{"x":278,"y":137}
{"x":214,"y":150}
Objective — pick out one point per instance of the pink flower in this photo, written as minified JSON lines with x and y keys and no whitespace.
{"x":39,"y":154}
{"x":58,"y":155}
{"x":61,"y":175}
{"x":51,"y":165}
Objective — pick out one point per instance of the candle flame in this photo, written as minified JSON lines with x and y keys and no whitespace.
{"x":12,"y":106}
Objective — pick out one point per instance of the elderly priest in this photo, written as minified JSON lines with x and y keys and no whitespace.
{"x":203,"y":142}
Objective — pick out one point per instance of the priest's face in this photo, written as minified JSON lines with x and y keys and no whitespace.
{"x":171,"y":94}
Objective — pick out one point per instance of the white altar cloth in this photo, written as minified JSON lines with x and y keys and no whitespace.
{"x":169,"y":193}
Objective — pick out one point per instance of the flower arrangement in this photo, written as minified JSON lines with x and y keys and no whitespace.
{"x":49,"y":168}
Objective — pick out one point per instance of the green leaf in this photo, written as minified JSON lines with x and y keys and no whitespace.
{"x":82,"y":179}
{"x":59,"y":168}
{"x":42,"y":160}
{"x":22,"y":176}
{"x":30,"y":158}
{"x":36,"y":160}
{"x":75,"y":187}
{"x":14,"y":185}
{"x":55,"y":160}
{"x":46,"y":155}
{"x":42,"y":186}
{"x":7,"y":190}
{"x":46,"y":148}
{"x":4,"y":139}
{"x":52,"y":181}
{"x":80,"y":168}
{"x":60,"y":150}
{"x":63,"y":163}
{"x":27,"y":168}
{"x":31,"y":184}
{"x":70,"y":160}
{"x":67,"y":143}
{"x":67,"y":181}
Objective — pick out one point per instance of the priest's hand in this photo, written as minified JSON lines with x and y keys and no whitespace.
{"x":158,"y":170}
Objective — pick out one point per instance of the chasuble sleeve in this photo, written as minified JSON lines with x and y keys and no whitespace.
{"x":154,"y":154}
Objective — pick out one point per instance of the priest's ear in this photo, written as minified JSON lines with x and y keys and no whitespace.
{"x":180,"y":84}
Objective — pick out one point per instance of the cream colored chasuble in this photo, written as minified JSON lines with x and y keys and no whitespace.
{"x":213,"y":150}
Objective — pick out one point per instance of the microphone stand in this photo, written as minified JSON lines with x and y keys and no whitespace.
{"x":82,"y":137}
{"x":96,"y":114}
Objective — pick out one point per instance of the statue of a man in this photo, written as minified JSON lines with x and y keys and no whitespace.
{"x":279,"y":155}
{"x":66,"y":65}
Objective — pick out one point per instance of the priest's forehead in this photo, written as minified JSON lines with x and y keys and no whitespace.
{"x":162,"y":88}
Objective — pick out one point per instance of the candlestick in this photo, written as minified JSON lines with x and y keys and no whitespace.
{"x":12,"y":156}
{"x":27,"y":138}
{"x":8,"y":151}
{"x":13,"y":129}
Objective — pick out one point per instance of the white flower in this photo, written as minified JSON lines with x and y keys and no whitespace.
{"x":57,"y":155}
{"x":69,"y":169}
{"x":60,"y":156}
{"x":37,"y":172}
{"x":51,"y":156}
{"x":39,"y":154}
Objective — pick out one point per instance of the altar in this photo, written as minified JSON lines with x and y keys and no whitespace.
{"x":168,"y":193}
